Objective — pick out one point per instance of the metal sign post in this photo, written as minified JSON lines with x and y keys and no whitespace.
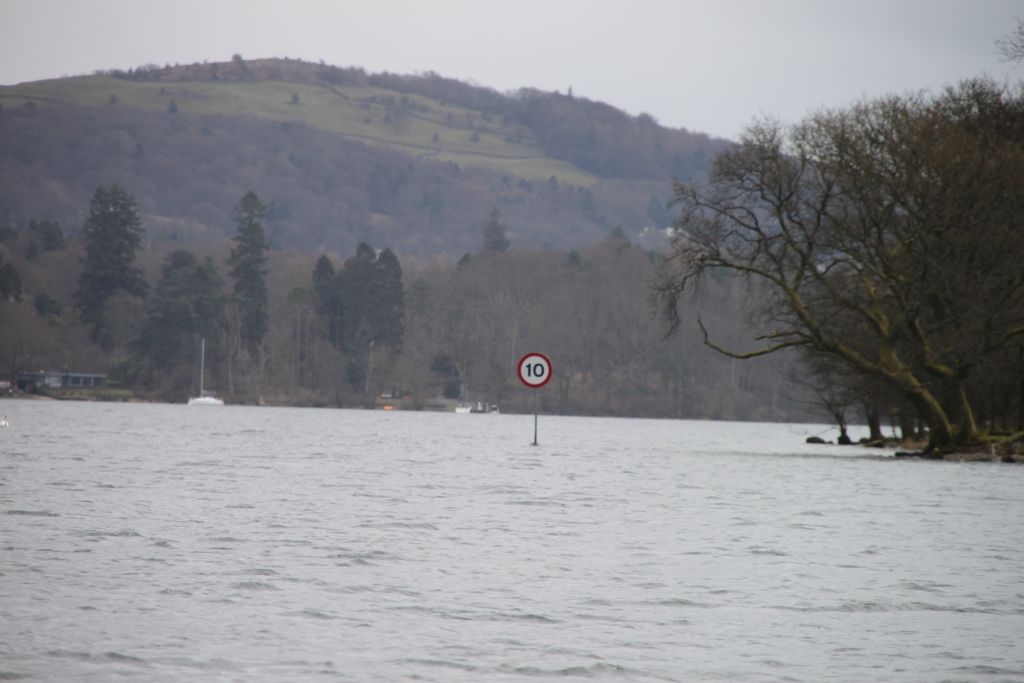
{"x":535,"y":371}
{"x":536,"y":411}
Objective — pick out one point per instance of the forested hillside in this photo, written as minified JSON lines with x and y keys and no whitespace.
{"x":337,"y":236}
{"x":340,"y":157}
{"x":344,"y":238}
{"x":307,"y":329}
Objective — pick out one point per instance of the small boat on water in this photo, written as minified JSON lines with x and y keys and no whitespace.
{"x":205,"y":401}
{"x":202,"y":399}
{"x":480,"y":407}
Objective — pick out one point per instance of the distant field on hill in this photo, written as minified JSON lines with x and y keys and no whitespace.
{"x":416,"y":125}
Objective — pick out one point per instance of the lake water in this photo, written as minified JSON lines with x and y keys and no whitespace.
{"x":169,"y":543}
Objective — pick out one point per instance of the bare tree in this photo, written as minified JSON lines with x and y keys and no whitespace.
{"x":1011,"y":47}
{"x":230,"y":335}
{"x":895,"y":218}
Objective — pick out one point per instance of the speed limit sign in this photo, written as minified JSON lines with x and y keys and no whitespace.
{"x":534,"y":370}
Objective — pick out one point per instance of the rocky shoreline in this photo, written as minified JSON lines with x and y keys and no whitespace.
{"x":1009,"y":452}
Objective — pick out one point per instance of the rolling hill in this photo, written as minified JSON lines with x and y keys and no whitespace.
{"x":340,"y":156}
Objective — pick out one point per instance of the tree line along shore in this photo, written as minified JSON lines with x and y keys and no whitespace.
{"x":863,"y":263}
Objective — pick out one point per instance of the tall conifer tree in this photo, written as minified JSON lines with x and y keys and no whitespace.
{"x":112,"y":235}
{"x":248,"y":268}
{"x":329,"y":303}
{"x":389,"y":304}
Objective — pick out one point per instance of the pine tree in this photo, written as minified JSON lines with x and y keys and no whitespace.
{"x":370,"y":284}
{"x":389,"y":300}
{"x":495,"y":236}
{"x":329,"y":303}
{"x":356,"y":282}
{"x":248,"y":268}
{"x":112,"y":234}
{"x":186,"y":304}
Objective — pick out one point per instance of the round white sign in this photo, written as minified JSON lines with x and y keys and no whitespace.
{"x":534,"y":370}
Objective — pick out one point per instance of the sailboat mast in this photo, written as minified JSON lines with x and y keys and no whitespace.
{"x":202,"y":364}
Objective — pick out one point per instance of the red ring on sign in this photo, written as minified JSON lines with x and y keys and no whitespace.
{"x":519,"y":370}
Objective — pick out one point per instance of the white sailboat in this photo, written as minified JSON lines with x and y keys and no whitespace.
{"x":202,"y":399}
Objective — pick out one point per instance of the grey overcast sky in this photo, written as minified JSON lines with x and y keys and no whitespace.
{"x":706,"y":65}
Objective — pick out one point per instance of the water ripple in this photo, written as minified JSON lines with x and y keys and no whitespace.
{"x":153,"y":542}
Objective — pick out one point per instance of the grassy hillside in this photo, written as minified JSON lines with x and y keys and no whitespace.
{"x":415,"y":125}
{"x":340,"y":156}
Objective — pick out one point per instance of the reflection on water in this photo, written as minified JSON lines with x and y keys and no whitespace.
{"x":169,"y":543}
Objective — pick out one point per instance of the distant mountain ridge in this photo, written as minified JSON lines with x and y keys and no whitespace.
{"x":340,"y":156}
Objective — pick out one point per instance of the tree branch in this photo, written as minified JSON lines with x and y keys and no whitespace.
{"x":750,"y":354}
